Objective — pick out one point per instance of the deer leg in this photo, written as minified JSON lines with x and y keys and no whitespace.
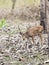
{"x":33,"y":39}
{"x":40,"y":35}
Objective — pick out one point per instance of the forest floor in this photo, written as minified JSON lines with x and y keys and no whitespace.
{"x":14,"y":50}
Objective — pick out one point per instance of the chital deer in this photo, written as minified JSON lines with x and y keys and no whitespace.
{"x":33,"y":31}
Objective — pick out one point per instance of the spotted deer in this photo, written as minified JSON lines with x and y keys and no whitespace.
{"x":33,"y":31}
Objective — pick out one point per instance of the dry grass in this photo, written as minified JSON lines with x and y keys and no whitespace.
{"x":8,"y":3}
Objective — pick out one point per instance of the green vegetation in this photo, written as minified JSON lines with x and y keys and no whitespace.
{"x":2,"y":23}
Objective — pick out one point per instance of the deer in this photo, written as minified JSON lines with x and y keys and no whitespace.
{"x":32,"y":32}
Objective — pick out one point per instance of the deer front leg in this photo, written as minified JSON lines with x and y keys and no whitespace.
{"x":33,"y":39}
{"x":40,"y":35}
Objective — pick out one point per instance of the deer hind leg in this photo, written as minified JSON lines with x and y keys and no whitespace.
{"x":33,"y":39}
{"x":40,"y":35}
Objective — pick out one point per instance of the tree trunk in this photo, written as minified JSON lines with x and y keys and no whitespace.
{"x":13,"y":5}
{"x":47,"y":20}
{"x":45,"y":17}
{"x":43,"y":14}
